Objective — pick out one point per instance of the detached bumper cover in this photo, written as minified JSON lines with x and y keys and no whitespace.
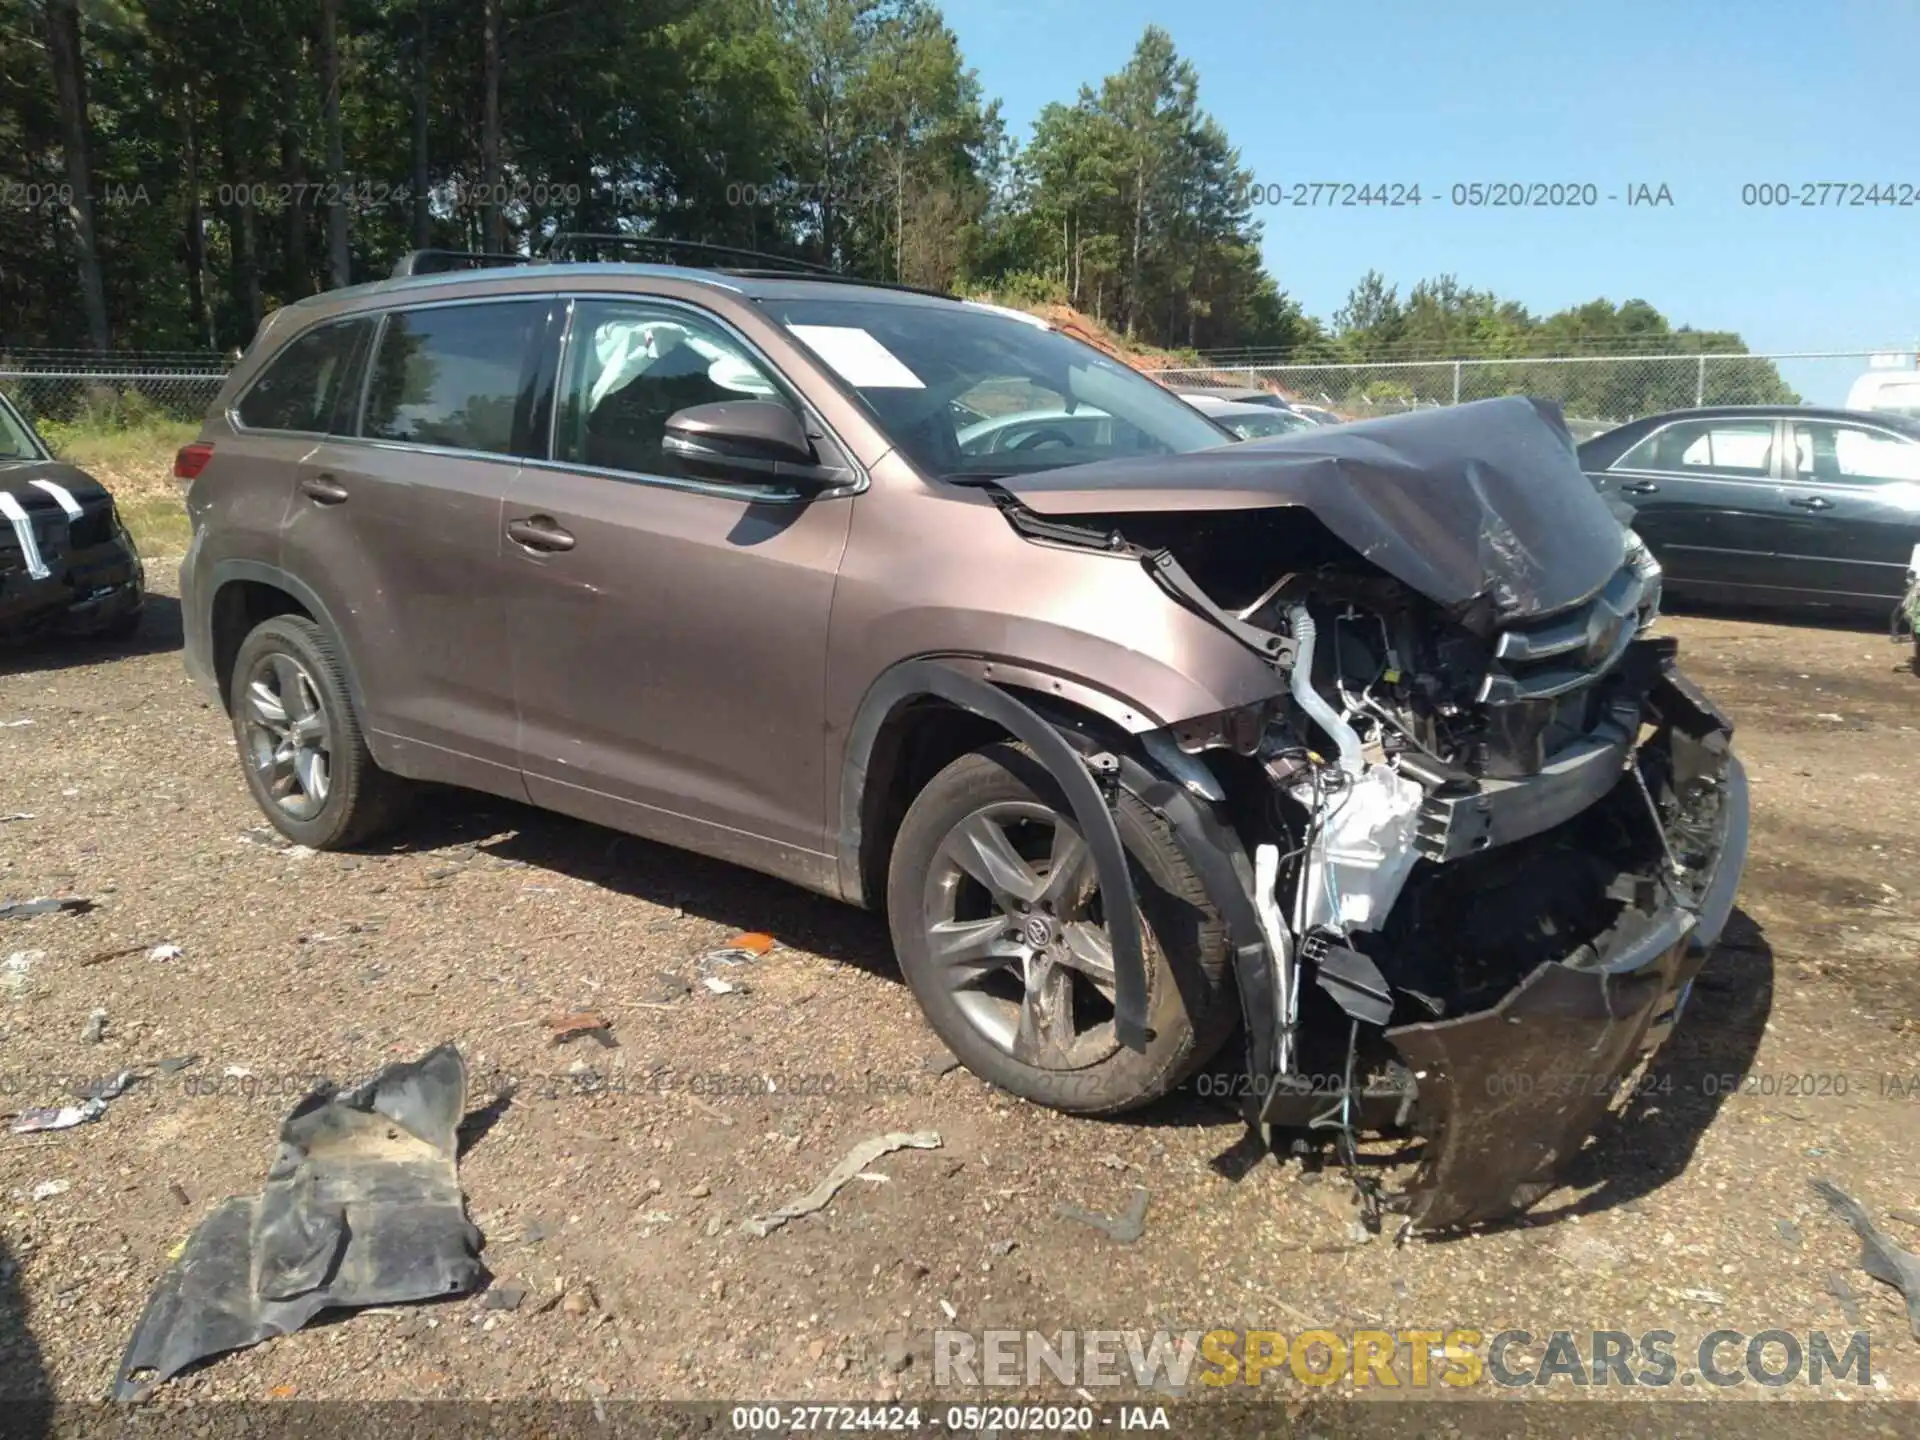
{"x":1507,"y":1095}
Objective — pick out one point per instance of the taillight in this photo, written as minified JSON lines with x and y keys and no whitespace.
{"x":190,"y":460}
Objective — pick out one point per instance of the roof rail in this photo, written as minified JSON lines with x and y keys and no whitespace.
{"x":436,"y":262}
{"x":569,"y":245}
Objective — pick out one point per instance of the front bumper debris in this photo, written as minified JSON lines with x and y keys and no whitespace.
{"x":1506,"y":1095}
{"x":1509,"y":1094}
{"x":1503,"y":1059}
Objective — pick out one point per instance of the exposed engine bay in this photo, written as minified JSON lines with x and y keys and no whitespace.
{"x":1491,"y":841}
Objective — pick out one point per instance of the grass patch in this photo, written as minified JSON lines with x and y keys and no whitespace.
{"x":135,"y":462}
{"x":159,"y":526}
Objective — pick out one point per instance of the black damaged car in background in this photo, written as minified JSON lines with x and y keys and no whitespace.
{"x":68,"y":568}
{"x":1782,"y":505}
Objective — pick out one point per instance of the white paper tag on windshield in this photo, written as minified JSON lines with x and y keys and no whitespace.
{"x":863,"y":362}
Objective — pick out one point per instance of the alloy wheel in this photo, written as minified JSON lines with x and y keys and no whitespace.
{"x":287,"y":736}
{"x":1013,"y":924}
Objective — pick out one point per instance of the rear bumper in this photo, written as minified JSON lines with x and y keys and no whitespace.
{"x":196,"y":623}
{"x":1507,"y":1095}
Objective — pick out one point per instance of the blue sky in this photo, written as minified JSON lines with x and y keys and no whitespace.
{"x":1702,"y":97}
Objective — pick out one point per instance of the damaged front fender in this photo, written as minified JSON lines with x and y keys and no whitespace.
{"x":1074,"y":774}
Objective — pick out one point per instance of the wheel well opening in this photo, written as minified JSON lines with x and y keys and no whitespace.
{"x":917,"y":742}
{"x":238,"y":606}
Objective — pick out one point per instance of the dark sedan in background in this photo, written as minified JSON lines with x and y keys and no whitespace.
{"x":1771,"y":504}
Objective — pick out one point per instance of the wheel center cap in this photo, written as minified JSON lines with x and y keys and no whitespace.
{"x":1038,"y":931}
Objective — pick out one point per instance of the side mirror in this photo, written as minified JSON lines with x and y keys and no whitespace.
{"x":736,"y":439}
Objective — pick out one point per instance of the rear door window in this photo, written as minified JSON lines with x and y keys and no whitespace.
{"x":1851,"y":455}
{"x":303,"y":387}
{"x":449,"y":375}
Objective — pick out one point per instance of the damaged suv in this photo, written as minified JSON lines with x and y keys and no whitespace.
{"x":1352,"y":743}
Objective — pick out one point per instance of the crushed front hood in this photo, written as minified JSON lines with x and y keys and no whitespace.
{"x":1479,"y":505}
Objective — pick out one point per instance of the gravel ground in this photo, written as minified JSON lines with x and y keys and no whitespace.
{"x":624,"y":1206}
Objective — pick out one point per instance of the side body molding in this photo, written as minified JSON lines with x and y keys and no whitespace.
{"x":917,"y":678}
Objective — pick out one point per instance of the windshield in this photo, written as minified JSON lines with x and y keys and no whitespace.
{"x":969,"y":394}
{"x":1261,"y":427}
{"x":16,"y":441}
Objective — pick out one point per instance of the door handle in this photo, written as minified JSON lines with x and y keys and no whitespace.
{"x":1639,"y":487}
{"x":539,"y":532}
{"x":323,"y":488}
{"x":1811,"y":502}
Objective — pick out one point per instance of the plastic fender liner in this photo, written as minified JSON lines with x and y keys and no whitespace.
{"x":1063,"y":763}
{"x":1223,"y":867}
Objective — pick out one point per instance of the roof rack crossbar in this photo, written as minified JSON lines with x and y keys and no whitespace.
{"x":563,"y":247}
{"x":435,"y":262}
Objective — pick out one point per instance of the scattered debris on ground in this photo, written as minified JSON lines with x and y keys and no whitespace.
{"x":1126,"y":1227}
{"x":165,"y":951}
{"x":58,"y":1117}
{"x":746,"y":949}
{"x":47,"y":1189}
{"x":101,"y":957}
{"x":858,"y":1158}
{"x":1879,"y":1256}
{"x":95,"y":1030}
{"x":16,"y":975}
{"x":362,"y":1207}
{"x":576,"y":1023}
{"x":47,"y":905}
{"x":109,"y":1088}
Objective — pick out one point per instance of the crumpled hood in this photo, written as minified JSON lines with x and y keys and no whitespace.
{"x":1472,"y":505}
{"x":17,"y":477}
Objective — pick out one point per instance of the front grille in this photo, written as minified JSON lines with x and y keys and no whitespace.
{"x":1554,"y":657}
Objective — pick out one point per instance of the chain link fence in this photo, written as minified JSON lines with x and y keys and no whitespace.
{"x":1596,"y":392}
{"x":124,"y":390}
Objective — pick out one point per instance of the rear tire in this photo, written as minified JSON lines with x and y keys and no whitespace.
{"x":985,"y":956}
{"x":302,"y":750}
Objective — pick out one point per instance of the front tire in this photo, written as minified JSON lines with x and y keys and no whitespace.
{"x":301,"y":747}
{"x":996,"y":919}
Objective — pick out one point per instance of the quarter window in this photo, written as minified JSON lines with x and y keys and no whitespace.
{"x":629,"y":368}
{"x":449,"y":375}
{"x":1741,"y":447}
{"x":302,"y":385}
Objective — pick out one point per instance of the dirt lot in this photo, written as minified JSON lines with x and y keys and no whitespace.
{"x":485,"y":917}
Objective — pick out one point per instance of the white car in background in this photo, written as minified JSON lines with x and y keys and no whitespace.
{"x":1248,"y":420}
{"x":1890,"y":392}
